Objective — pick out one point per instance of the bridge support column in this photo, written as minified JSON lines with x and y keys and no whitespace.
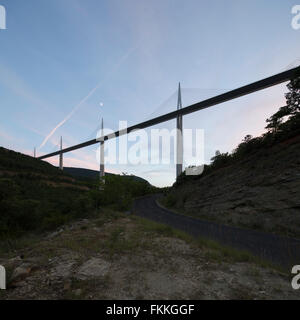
{"x":102,"y":166}
{"x":179,"y":152}
{"x":61,"y":166}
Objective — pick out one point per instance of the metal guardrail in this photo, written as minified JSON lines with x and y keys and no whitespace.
{"x":236,"y":93}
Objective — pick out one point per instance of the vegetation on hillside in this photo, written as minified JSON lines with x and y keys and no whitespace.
{"x":35,"y":196}
{"x":119,"y":191}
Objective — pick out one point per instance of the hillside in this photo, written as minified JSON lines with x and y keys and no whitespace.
{"x":84,"y":174}
{"x":260,"y":191}
{"x":62,"y":242}
{"x":36,"y":196}
{"x":61,"y":238}
{"x":257,"y":186}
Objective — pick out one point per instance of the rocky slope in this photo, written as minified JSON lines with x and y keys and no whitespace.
{"x":116,"y":256}
{"x":261,"y":192}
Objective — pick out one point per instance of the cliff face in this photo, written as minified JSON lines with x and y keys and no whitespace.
{"x":262,"y":192}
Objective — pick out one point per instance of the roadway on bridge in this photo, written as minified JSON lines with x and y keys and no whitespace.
{"x":279,"y":250}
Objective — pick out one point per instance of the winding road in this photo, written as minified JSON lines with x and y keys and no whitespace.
{"x":281,"y":251}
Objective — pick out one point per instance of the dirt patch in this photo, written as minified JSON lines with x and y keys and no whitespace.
{"x":130,"y":258}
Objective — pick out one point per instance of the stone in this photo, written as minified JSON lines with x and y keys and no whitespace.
{"x":62,"y":270}
{"x":21,"y":272}
{"x":67,"y":285}
{"x":53,"y":235}
{"x":93,"y":268}
{"x":78,"y":292}
{"x":15,"y":260}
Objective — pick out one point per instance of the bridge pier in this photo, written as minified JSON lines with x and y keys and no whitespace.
{"x":102,"y":166}
{"x":179,"y":152}
{"x":61,"y":166}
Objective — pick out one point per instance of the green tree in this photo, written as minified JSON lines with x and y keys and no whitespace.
{"x":291,"y":109}
{"x":274,"y":123}
{"x":293,"y":96}
{"x":248,"y":138}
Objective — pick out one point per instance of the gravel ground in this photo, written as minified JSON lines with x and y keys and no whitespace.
{"x":126,"y":257}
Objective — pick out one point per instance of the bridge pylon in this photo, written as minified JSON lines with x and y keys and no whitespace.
{"x":102,"y":165}
{"x":179,"y":151}
{"x":61,"y":166}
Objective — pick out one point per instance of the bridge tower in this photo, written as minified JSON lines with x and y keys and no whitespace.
{"x":61,"y":167}
{"x":179,"y":152}
{"x":102,"y":167}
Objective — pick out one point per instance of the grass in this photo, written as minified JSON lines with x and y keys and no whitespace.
{"x":147,"y":246}
{"x":243,"y":293}
{"x":254,"y":272}
{"x":220,"y":253}
{"x":122,"y":234}
{"x":9,"y":246}
{"x":80,"y":289}
{"x":214,"y":251}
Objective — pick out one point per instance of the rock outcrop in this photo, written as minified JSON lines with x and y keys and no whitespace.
{"x":262,"y":192}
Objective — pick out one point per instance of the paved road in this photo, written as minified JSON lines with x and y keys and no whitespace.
{"x":278,"y":250}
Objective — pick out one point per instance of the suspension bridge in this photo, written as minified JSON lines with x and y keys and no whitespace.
{"x":178,"y":115}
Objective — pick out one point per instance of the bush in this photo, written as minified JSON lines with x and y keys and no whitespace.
{"x":119,"y":191}
{"x":169,"y":200}
{"x":53,"y":220}
{"x":221,"y":160}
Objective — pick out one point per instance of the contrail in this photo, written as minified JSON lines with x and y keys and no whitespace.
{"x":115,"y":68}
